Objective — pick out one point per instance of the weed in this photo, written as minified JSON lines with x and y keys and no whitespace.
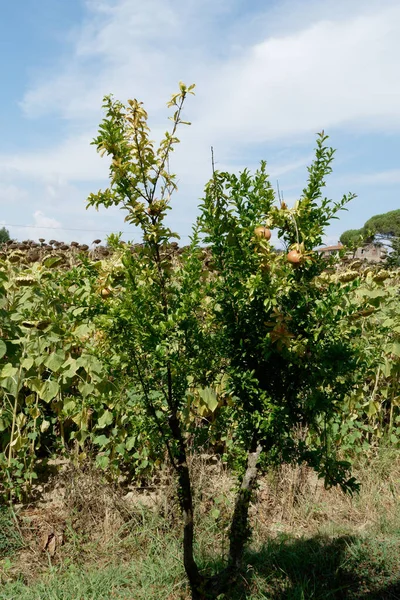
{"x":10,"y":537}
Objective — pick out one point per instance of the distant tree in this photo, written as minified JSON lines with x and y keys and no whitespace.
{"x":384,"y":228}
{"x":381,"y":229}
{"x":351,"y":237}
{"x":393,"y":259}
{"x":4,"y":235}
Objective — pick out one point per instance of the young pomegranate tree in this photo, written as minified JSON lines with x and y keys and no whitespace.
{"x":279,"y":330}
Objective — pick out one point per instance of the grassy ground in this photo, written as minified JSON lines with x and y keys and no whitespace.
{"x":85,"y":541}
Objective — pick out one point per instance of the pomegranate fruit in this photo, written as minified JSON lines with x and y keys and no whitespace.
{"x":263,"y":232}
{"x":294,"y":257}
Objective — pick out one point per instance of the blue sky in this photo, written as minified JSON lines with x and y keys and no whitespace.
{"x":269,"y":75}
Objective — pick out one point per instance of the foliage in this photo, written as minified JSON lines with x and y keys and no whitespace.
{"x":393,"y":259}
{"x":372,"y":411}
{"x":352,"y":238}
{"x":60,"y":389}
{"x":288,"y":336}
{"x":158,"y":326}
{"x":264,"y":357}
{"x":283,"y":336}
{"x":10,"y":538}
{"x":4,"y":235}
{"x":384,"y":228}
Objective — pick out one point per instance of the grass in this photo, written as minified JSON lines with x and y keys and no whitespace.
{"x":308,"y":543}
{"x":284,"y":568}
{"x":10,"y":537}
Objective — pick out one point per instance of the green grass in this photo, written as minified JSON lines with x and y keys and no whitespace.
{"x":320,"y":568}
{"x":10,"y":538}
{"x":122,"y":582}
{"x":332,"y":548}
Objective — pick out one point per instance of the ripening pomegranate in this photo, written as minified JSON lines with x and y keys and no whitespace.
{"x":263,"y":232}
{"x":294,"y":257}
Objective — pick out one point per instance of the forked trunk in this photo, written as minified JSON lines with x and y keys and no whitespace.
{"x":239,"y":534}
{"x":240,"y":530}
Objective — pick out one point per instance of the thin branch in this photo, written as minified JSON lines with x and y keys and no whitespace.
{"x":152,"y":411}
{"x":168,"y":147}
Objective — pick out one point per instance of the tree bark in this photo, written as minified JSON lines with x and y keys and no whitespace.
{"x":240,"y":530}
{"x":196,"y":580}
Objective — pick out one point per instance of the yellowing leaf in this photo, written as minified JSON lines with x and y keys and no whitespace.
{"x":8,"y":371}
{"x":54,"y":361}
{"x":49,"y":390}
{"x":105,"y":419}
{"x":44,"y":426}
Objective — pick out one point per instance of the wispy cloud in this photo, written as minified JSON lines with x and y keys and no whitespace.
{"x":73,"y":159}
{"x":335,"y":72}
{"x":11,"y":194}
{"x":390,"y":177}
{"x":40,"y":226}
{"x":266,"y":77}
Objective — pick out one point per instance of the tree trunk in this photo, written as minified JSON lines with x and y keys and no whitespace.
{"x":224,"y":581}
{"x":201,"y":587}
{"x":240,"y":530}
{"x":196,"y":580}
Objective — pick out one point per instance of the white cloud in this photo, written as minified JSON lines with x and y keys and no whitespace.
{"x":390,"y":177}
{"x":40,"y":220}
{"x":334,"y":71}
{"x":264,"y":76}
{"x":72,"y":159}
{"x":331,"y":74}
{"x":40,"y":227}
{"x":11,"y":194}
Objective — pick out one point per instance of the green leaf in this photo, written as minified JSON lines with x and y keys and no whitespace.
{"x":395,"y":348}
{"x":70,"y":367}
{"x":8,"y":371}
{"x":106,"y":419}
{"x":102,"y":461}
{"x":34,"y":412}
{"x":85,"y":388}
{"x":3,"y":348}
{"x":27,"y":363}
{"x":17,"y":442}
{"x":54,"y":361}
{"x":34,"y":384}
{"x":69,"y":407}
{"x":90,"y":363}
{"x":387,"y":368}
{"x":83,"y":330}
{"x":49,"y":390}
{"x":130,"y":443}
{"x":120,"y":448}
{"x":101,"y":440}
{"x":209,"y":397}
{"x":52,"y":261}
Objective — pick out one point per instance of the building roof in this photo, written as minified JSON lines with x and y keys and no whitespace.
{"x":329,"y":248}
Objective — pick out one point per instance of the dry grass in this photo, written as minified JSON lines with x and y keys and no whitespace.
{"x":293,"y":500}
{"x":82,"y":520}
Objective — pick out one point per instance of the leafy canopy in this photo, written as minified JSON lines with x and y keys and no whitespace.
{"x":4,"y":235}
{"x":383,"y":227}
